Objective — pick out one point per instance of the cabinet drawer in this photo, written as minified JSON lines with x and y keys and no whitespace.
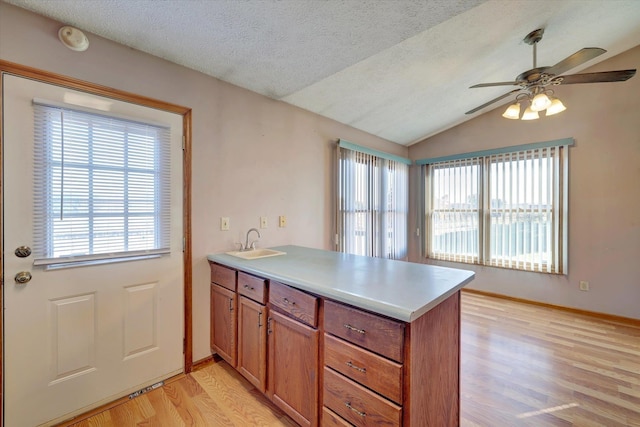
{"x":252,"y":287}
{"x":379,"y":374}
{"x":378,"y":334}
{"x":356,"y":404}
{"x":223,"y":276}
{"x":331,"y":419}
{"x":298,"y":304}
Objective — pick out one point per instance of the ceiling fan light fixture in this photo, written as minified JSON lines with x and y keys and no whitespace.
{"x":540,"y":102}
{"x":529,"y":114}
{"x":556,"y":107}
{"x":512,"y":112}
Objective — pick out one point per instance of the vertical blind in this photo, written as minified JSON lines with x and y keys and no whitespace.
{"x":523,"y":211}
{"x":455,"y":214}
{"x":372,"y":205}
{"x":101,"y":186}
{"x":505,"y":209}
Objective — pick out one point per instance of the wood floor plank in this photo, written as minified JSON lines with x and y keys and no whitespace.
{"x":521,"y":365}
{"x":226,"y":388}
{"x":179,"y":397}
{"x":164,"y":409}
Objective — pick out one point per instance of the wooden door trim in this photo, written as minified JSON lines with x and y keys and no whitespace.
{"x":11,"y":68}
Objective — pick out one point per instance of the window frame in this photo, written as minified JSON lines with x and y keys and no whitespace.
{"x":44,"y":208}
{"x":381,"y":211}
{"x":558,"y":211}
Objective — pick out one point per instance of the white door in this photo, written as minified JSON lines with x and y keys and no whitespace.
{"x":75,"y":338}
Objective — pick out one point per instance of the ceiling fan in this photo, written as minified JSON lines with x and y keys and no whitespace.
{"x":534,"y":84}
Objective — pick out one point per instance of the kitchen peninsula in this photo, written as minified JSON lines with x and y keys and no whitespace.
{"x":338,"y":339}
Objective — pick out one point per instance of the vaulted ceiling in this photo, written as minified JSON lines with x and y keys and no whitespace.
{"x":398,"y":69}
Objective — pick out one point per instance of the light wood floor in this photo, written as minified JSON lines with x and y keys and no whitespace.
{"x":522,"y":365}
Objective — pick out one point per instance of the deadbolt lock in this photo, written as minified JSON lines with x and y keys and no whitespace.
{"x":23,"y":251}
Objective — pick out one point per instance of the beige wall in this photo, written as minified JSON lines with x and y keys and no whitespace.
{"x":604,"y":191}
{"x":252,"y":156}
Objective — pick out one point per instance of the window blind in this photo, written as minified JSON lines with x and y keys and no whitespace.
{"x":503,"y":208}
{"x":372,"y":204}
{"x":454,"y":217}
{"x":101,"y":187}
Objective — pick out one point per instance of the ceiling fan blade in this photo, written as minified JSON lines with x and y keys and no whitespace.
{"x":494,"y":84}
{"x":572,"y":61}
{"x":492,"y":101}
{"x":603,"y":77}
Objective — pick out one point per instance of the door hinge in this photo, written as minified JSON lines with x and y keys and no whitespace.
{"x":184,"y":244}
{"x":184,"y":345}
{"x":184,"y":142}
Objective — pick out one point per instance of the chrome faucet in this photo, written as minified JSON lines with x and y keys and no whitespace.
{"x":246,"y":244}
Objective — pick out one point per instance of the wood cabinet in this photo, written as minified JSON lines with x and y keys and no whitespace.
{"x":224,"y":306}
{"x":331,"y":363}
{"x":363,"y":374}
{"x":252,"y":329}
{"x":224,"y":323}
{"x":293,"y":353}
{"x":380,"y":371}
{"x":293,"y":368}
{"x":252,"y":342}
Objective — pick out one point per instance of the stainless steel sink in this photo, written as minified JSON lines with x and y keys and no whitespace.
{"x":256,"y":253}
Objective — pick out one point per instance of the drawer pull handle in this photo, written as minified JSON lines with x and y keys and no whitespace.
{"x":348,"y":405}
{"x":357,"y":368}
{"x":286,"y":301}
{"x":353,"y":328}
{"x":251,"y":288}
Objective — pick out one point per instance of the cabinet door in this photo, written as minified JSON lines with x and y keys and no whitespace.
{"x":252,"y":342}
{"x":224,"y":323}
{"x":293,"y":368}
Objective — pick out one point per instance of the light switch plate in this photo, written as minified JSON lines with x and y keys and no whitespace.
{"x":263,"y":222}
{"x":224,"y":223}
{"x":282,"y":221}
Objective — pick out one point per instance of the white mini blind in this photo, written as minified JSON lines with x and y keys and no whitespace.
{"x":372,"y":205}
{"x":101,"y":187}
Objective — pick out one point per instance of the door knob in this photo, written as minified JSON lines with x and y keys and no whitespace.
{"x":23,"y":277}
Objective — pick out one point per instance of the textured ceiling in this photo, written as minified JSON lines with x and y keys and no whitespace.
{"x":399,"y":69}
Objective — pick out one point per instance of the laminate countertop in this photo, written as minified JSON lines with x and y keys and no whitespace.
{"x":397,"y":289}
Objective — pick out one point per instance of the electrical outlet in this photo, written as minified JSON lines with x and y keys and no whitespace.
{"x":224,"y":223}
{"x":282,"y":221}
{"x":584,"y":285}
{"x":263,"y":222}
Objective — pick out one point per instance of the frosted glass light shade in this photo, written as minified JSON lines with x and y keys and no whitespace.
{"x":556,"y":107}
{"x":512,"y":112}
{"x":529,"y":114}
{"x":540,"y":102}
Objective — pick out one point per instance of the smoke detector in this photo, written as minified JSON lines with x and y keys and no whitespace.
{"x":73,"y":38}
